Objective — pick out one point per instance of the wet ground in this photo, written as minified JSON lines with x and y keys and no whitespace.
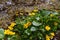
{"x":8,"y":9}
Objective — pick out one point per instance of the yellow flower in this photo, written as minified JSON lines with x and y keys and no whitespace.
{"x":35,"y":10}
{"x":52,"y":34}
{"x":27,"y":24}
{"x":21,"y":13}
{"x":13,"y":24}
{"x":11,"y":28}
{"x":8,"y":32}
{"x":31,"y":14}
{"x":47,"y":28}
{"x":51,"y":15}
{"x":47,"y":37}
{"x":11,"y":33}
{"x":55,"y":23}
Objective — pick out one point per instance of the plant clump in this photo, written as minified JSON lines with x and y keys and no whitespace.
{"x":37,"y":25}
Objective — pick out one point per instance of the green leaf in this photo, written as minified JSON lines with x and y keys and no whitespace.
{"x":27,"y":32}
{"x":36,"y":23}
{"x":1,"y":33}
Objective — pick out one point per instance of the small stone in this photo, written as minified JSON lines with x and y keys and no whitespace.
{"x":1,"y":6}
{"x":8,"y":3}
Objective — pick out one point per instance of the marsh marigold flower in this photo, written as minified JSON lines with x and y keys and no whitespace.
{"x":51,"y":15}
{"x":47,"y":28}
{"x":13,"y":24}
{"x":35,"y":10}
{"x":47,"y":37}
{"x":27,"y":24}
{"x":8,"y":32}
{"x":31,"y":14}
{"x":55,"y":23}
{"x":10,"y":28}
{"x":52,"y":35}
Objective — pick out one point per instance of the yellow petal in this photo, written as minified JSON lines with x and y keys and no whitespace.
{"x":13,"y":24}
{"x":47,"y":37}
{"x":51,"y":15}
{"x":10,"y":28}
{"x":35,"y":10}
{"x":53,"y":34}
{"x":47,"y":28}
{"x":55,"y":23}
{"x":33,"y":13}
